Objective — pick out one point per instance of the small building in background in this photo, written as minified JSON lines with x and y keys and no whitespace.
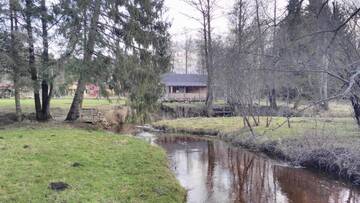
{"x":184,"y":87}
{"x":91,"y":90}
{"x":6,"y":90}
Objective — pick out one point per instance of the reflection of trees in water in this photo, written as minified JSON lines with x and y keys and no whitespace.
{"x":183,"y":144}
{"x":249,"y":177}
{"x":303,"y":186}
{"x":211,"y":166}
{"x":239,"y":168}
{"x":242,"y":176}
{"x":172,"y":143}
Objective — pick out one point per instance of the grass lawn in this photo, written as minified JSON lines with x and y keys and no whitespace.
{"x":299,"y":126}
{"x":109,"y":167}
{"x":341,"y":108}
{"x":8,"y":105}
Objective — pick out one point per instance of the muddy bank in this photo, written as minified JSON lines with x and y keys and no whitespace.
{"x":329,"y":154}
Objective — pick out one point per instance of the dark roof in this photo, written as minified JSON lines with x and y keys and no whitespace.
{"x":173,"y":79}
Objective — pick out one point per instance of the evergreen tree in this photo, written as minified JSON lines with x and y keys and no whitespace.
{"x":144,"y":57}
{"x":12,"y":49}
{"x":126,"y":47}
{"x":85,"y":15}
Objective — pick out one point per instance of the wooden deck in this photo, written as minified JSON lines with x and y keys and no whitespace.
{"x":182,"y":97}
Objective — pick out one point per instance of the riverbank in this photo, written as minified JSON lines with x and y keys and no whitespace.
{"x":324,"y":144}
{"x":60,"y":163}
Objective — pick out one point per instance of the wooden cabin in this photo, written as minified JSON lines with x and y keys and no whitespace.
{"x":184,"y":87}
{"x":6,"y":90}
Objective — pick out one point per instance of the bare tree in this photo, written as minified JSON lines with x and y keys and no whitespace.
{"x":206,"y":8}
{"x":188,"y":48}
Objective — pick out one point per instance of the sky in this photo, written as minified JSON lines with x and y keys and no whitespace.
{"x":181,"y":24}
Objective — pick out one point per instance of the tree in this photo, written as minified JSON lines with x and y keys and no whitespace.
{"x":320,"y":15}
{"x":29,"y":11}
{"x":11,"y":49}
{"x":118,"y":39}
{"x":145,"y":56}
{"x":206,"y":8}
{"x":41,"y":77}
{"x":46,"y":84}
{"x":89,"y":41}
{"x":242,"y":61}
{"x":13,"y":5}
{"x":188,"y":47}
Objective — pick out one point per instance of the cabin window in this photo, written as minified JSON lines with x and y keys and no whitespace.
{"x":190,"y":89}
{"x":179,"y":89}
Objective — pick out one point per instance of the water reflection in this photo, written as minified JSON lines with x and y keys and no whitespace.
{"x":213,"y":171}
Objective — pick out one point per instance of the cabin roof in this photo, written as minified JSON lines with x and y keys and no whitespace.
{"x":184,"y":80}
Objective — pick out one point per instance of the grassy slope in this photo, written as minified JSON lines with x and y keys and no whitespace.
{"x":113,"y":168}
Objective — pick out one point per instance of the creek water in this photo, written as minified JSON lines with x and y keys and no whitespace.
{"x":216,"y":172}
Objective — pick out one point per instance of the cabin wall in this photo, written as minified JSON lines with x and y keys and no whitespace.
{"x":200,"y":90}
{"x":178,"y":93}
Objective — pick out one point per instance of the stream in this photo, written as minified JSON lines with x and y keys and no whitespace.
{"x":216,"y":172}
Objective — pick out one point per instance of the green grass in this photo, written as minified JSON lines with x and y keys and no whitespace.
{"x":113,"y":168}
{"x":298,"y":126}
{"x":336,"y":108}
{"x":8,"y":105}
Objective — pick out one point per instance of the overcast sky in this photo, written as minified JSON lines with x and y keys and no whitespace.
{"x":180,"y":23}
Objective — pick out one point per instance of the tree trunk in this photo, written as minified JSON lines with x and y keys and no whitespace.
{"x":46,"y":88}
{"x":14,"y":53}
{"x":355,"y":101}
{"x":210,"y":68}
{"x":186,"y":56}
{"x":272,"y":99}
{"x":32,"y":67}
{"x":74,"y":112}
{"x":324,"y":83}
{"x":272,"y":90}
{"x":186,"y":61}
{"x":46,"y":99}
{"x":17,"y":98}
